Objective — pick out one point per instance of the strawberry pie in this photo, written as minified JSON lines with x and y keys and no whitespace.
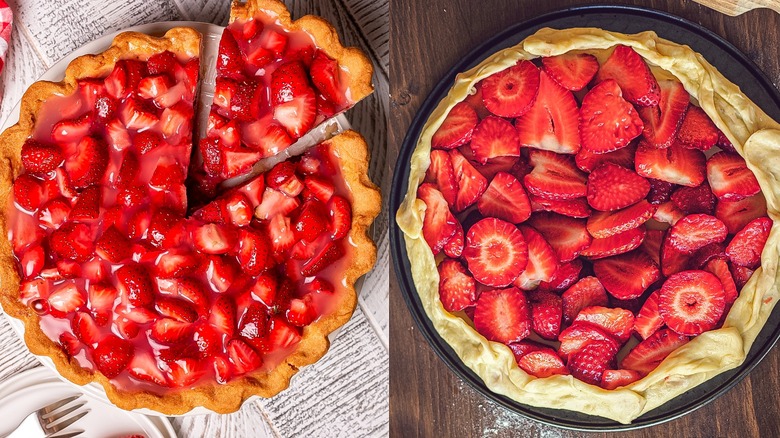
{"x":589,"y":221}
{"x":169,"y":303}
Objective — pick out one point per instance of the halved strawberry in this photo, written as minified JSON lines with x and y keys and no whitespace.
{"x":72,"y":130}
{"x":668,"y":213}
{"x":238,"y":162}
{"x":720,"y":268}
{"x":633,"y":75}
{"x":572,"y":71}
{"x":322,"y":189}
{"x":32,"y":261}
{"x":176,"y":308}
{"x":184,"y":372}
{"x":542,"y":260}
{"x":275,"y":203}
{"x":612,"y":187}
{"x":457,"y":289}
{"x":648,"y":354}
{"x":194,"y":292}
{"x":68,"y":298}
{"x":153,"y":86}
{"x":253,"y":251}
{"x":541,"y":363}
{"x":697,"y":130}
{"x":88,"y":164}
{"x":552,"y":121}
{"x":439,"y":224}
{"x":325,"y":76}
{"x":281,"y":335}
{"x":505,"y":199}
{"x":662,"y":122}
{"x":494,"y":137}
{"x":329,"y":254}
{"x":230,"y":62}
{"x":53,"y":213}
{"x":254,"y":324}
{"x":648,"y":320}
{"x":69,"y":344}
{"x":696,"y":231}
{"x":280,"y":234}
{"x":615,"y":321}
{"x":675,"y":164}
{"x":554,"y":176}
{"x":144,"y":366}
{"x":138,"y":115}
{"x":692,"y":200}
{"x":244,"y":357}
{"x":627,"y":275}
{"x":442,"y":174}
{"x":546,"y":313}
{"x":613,"y":379}
{"x":340,"y":219}
{"x":577,"y":208}
{"x":471,"y":184}
{"x":297,"y":115}
{"x":586,"y":292}
{"x":672,"y":259}
{"x":578,"y":335}
{"x":112,"y":355}
{"x":301,"y":311}
{"x":567,"y":236}
{"x":604,"y":224}
{"x":503,"y":315}
{"x":289,"y":81}
{"x":457,"y":127}
{"x":223,"y":315}
{"x":40,"y":158}
{"x":587,"y":160}
{"x":660,"y":191}
{"x":730,"y":178}
{"x":135,"y":285}
{"x":238,"y":209}
{"x":113,"y":245}
{"x":592,"y":360}
{"x":511,"y":92}
{"x":28,"y":192}
{"x":85,"y":328}
{"x":652,"y":244}
{"x":747,"y":245}
{"x":311,"y":221}
{"x":495,"y":251}
{"x":607,"y":121}
{"x":72,"y":241}
{"x":691,"y":302}
{"x":707,"y":253}
{"x":213,"y":238}
{"x":616,"y":244}
{"x":737,"y":214}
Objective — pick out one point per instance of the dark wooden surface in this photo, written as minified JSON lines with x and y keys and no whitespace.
{"x":426,"y":399}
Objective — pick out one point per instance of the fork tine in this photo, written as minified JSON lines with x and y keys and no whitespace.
{"x":72,"y":434}
{"x":60,"y":412}
{"x":60,"y":425}
{"x":58,"y":404}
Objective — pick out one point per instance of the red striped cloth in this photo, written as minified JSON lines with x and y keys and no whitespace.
{"x":6,"y":20}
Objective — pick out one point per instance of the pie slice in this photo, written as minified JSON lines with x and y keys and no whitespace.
{"x":589,"y":221}
{"x":277,"y":79}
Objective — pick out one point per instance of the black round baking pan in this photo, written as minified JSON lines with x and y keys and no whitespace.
{"x":626,"y":19}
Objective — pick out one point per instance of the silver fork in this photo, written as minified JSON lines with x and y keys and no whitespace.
{"x":59,"y":415}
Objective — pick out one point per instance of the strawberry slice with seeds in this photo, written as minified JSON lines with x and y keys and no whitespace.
{"x":615,"y":321}
{"x":696,"y":231}
{"x":135,"y":285}
{"x":589,"y":363}
{"x":572,"y":71}
{"x":325,"y":75}
{"x":503,"y":315}
{"x":633,"y":75}
{"x":604,"y":224}
{"x":230,"y":62}
{"x":457,"y":127}
{"x":668,"y":213}
{"x":567,"y":236}
{"x":613,"y":379}
{"x":329,"y":254}
{"x":72,"y":131}
{"x":511,"y":92}
{"x":737,"y":214}
{"x":311,"y":221}
{"x":439,"y":224}
{"x":627,"y":276}
{"x":675,"y":164}
{"x":281,"y":335}
{"x":691,"y":302}
{"x":40,"y":158}
{"x":85,"y":328}
{"x":68,"y":298}
{"x":471,"y":184}
{"x":720,"y":268}
{"x":298,"y":115}
{"x":88,"y":164}
{"x":554,"y":176}
{"x":112,"y":355}
{"x":275,"y":203}
{"x":494,"y":137}
{"x":87,"y":205}
{"x":660,"y":191}
{"x":322,"y":189}
{"x":113,"y":245}
{"x":616,"y":244}
{"x":607,"y":121}
{"x":253,"y":251}
{"x":542,"y":260}
{"x":747,"y":245}
{"x":648,"y":354}
{"x":144,"y":366}
{"x":176,"y":308}
{"x":495,"y":251}
{"x":457,"y":288}
{"x":697,"y":130}
{"x":578,"y":335}
{"x":586,"y":292}
{"x":672,"y":259}
{"x":505,"y":199}
{"x":175,"y":264}
{"x":213,"y":238}
{"x":442,"y":174}
{"x":707,"y":253}
{"x":301,"y":312}
{"x":612,"y":187}
{"x":662,"y":122}
{"x":280,"y":234}
{"x":648,"y":320}
{"x":223,"y":315}
{"x":552,"y":122}
{"x":243,"y":357}
{"x":652,"y":244}
{"x":454,"y":247}
{"x":28,"y":192}
{"x":546,"y":313}
{"x":692,"y":200}
{"x":587,"y":160}
{"x":542,"y":363}
{"x":577,"y":208}
{"x":72,"y":241}
{"x":730,"y":178}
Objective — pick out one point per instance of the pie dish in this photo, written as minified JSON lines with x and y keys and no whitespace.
{"x":749,"y":130}
{"x":171,"y":300}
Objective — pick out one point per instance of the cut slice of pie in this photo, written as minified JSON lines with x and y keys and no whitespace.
{"x":277,"y":79}
{"x":588,"y":220}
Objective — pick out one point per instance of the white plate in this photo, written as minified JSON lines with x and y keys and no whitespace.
{"x":211,"y":35}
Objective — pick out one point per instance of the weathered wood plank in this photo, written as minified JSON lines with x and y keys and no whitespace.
{"x":209,"y":11}
{"x":23,"y":66}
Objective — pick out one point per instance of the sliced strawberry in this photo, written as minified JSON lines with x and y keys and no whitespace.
{"x":633,"y":75}
{"x":275,"y":203}
{"x":280,"y":234}
{"x":297,"y":115}
{"x":457,"y":127}
{"x":691,"y":302}
{"x":471,"y":184}
{"x":604,"y":224}
{"x":747,"y":245}
{"x":627,"y":275}
{"x":554,"y":176}
{"x":457,"y":289}
{"x":254,"y":324}
{"x":552,"y":122}
{"x":572,"y":71}
{"x":113,"y":245}
{"x":289,"y":81}
{"x":675,"y":164}
{"x":586,"y":292}
{"x":707,"y":253}
{"x":720,"y":268}
{"x":69,"y":344}
{"x":668,"y":213}
{"x":281,"y":335}
{"x":176,"y":308}
{"x":85,"y":328}
{"x":511,"y":92}
{"x":612,"y":187}
{"x":253,"y":252}
{"x":87,"y":205}
{"x":72,"y":241}
{"x":340,"y":218}
{"x":652,"y":244}
{"x":578,"y":335}
{"x":146,"y":141}
{"x":72,"y":130}
{"x":162,"y":63}
{"x":494,"y":137}
{"x":243,"y":357}
{"x":697,"y":130}
{"x":40,"y":158}
{"x":672,"y":259}
{"x":592,"y":360}
{"x":737,"y":214}
{"x":587,"y":160}
{"x":613,"y":379}
{"x":138,"y":115}
{"x":495,"y":251}
{"x":32,"y":261}
{"x":325,"y":77}
{"x":546,"y":313}
{"x":238,"y":162}
{"x":151,"y":87}
{"x":607,"y":121}
{"x":282,"y":177}
{"x":541,"y":363}
{"x":616,"y":244}
{"x":135,"y":285}
{"x":648,"y":319}
{"x":53,"y":213}
{"x":194,"y":292}
{"x":301,"y":312}
{"x":112,"y":355}
{"x":184,"y":372}
{"x":577,"y":208}
{"x":475,"y":101}
{"x":144,"y":366}
{"x":230,"y":62}
{"x":662,"y":122}
{"x":223,"y":315}
{"x":442,"y":174}
{"x":615,"y":321}
{"x":692,"y":200}
{"x":660,"y":191}
{"x":88,"y":165}
{"x":312,"y":220}
{"x":28,"y":192}
{"x":439,"y":224}
{"x":68,"y":298}
{"x":646,"y":356}
{"x":175,"y":264}
{"x":503,"y":315}
{"x":454,"y":247}
{"x":696,"y":231}
{"x":567,"y":236}
{"x":322,"y":189}
{"x":542,"y":260}
{"x":740,"y":274}
{"x":505,"y":199}
{"x":730,"y":178}
{"x":329,"y":254}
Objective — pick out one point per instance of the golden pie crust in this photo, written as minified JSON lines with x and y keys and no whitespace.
{"x":754,"y":135}
{"x":350,"y":149}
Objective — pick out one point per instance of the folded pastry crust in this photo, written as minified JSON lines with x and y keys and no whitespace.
{"x":754,"y":135}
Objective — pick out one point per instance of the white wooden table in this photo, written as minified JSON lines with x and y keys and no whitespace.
{"x":346,"y":393}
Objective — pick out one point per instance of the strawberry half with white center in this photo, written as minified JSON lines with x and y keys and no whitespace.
{"x":457,"y":128}
{"x":503,"y":315}
{"x":505,"y":199}
{"x":730,"y":178}
{"x":607,"y":121}
{"x":697,"y":130}
{"x":646,"y":356}
{"x":675,"y":164}
{"x":572,"y":71}
{"x":494,"y":137}
{"x":457,"y":289}
{"x":567,"y":236}
{"x":554,"y":176}
{"x":495,"y":251}
{"x":612,"y":187}
{"x":633,"y":75}
{"x":662,"y":122}
{"x":542,"y":260}
{"x":511,"y":92}
{"x":627,"y":275}
{"x":691,"y":302}
{"x":552,"y":122}
{"x":747,"y":245}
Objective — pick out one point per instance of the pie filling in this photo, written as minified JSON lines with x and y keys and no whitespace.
{"x":584,"y":211}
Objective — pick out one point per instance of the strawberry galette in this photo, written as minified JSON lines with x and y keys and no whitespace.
{"x":121,"y":280}
{"x":588,"y":220}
